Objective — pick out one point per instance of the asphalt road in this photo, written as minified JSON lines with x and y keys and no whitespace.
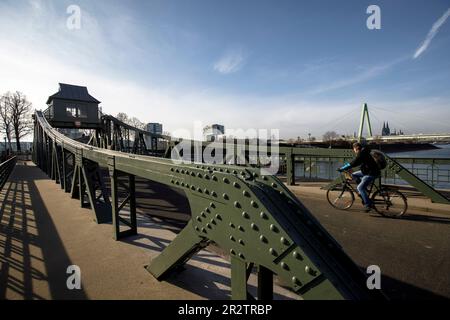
{"x":413,"y":252}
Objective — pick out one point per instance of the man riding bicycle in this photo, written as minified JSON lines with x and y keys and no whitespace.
{"x":368,"y":173}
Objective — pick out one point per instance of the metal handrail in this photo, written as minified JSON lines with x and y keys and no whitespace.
{"x":5,"y":170}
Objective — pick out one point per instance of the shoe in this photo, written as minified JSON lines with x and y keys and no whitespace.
{"x":367,"y":209}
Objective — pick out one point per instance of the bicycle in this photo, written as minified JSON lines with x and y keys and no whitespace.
{"x":386,"y":201}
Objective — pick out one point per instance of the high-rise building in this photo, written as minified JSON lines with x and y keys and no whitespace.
{"x":156,"y":128}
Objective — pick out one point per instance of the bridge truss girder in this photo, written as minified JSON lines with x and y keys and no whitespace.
{"x":252,"y":216}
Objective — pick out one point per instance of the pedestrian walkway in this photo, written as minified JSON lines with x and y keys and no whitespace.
{"x":43,"y":231}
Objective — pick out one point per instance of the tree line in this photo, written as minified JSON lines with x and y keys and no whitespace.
{"x":15,"y":117}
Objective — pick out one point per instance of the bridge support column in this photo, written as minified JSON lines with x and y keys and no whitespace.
{"x":117,"y":206}
{"x":265,"y":283}
{"x":238,"y":279}
{"x":290,"y":168}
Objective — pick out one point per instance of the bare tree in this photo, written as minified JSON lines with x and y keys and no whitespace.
{"x":5,"y":118}
{"x":122,"y":116}
{"x":20,"y":116}
{"x":330,"y":136}
{"x":135,"y":122}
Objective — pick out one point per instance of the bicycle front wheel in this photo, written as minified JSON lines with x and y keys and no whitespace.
{"x":389,"y":203}
{"x":340,"y":197}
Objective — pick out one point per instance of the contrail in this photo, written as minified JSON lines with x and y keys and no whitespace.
{"x":434,"y":29}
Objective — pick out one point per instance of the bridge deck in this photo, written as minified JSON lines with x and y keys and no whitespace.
{"x":43,"y":231}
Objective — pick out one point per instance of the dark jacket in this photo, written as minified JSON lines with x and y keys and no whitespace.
{"x":366,"y":162}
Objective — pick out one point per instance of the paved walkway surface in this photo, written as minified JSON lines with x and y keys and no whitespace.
{"x":43,"y":231}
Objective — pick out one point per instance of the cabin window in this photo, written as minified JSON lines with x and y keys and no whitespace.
{"x":71,"y":112}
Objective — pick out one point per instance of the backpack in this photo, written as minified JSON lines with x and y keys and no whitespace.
{"x":379,"y":158}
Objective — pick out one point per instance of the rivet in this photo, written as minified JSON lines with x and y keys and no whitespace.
{"x":241,"y":242}
{"x":231,"y":224}
{"x":226,"y":180}
{"x":240,"y":228}
{"x":199,"y":189}
{"x":199,"y":219}
{"x":284,"y":241}
{"x":236,"y":185}
{"x":171,"y":169}
{"x":197,"y":229}
{"x":246,"y":193}
{"x":206,"y":191}
{"x":193,"y":187}
{"x":171,"y":181}
{"x":237,"y":204}
{"x":284,"y":266}
{"x":218,"y":217}
{"x":232,"y":238}
{"x":232,"y":252}
{"x":273,"y":228}
{"x":214,"y":178}
{"x":296,"y":281}
{"x":263,"y":239}
{"x":207,"y":210}
{"x":234,"y":172}
{"x":213,"y":221}
{"x":254,"y":226}
{"x":263,"y":215}
{"x":310,"y":271}
{"x":245,"y":215}
{"x":225,"y":196}
{"x":203,"y":214}
{"x":241,"y":256}
{"x":182,"y":171}
{"x":297,"y":255}
{"x":204,"y":230}
{"x":254,"y":204}
{"x":213,"y":193}
{"x":177,"y":183}
{"x":208,"y":226}
{"x":274,"y":185}
{"x":199,"y":175}
{"x":177,"y":171}
{"x":273,"y":252}
{"x":212,"y":205}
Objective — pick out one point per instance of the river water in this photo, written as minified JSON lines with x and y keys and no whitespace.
{"x":436,"y":175}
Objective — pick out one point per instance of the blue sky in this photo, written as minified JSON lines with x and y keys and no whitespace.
{"x":297,"y":66}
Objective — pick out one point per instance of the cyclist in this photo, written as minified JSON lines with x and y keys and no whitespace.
{"x":368,"y":173}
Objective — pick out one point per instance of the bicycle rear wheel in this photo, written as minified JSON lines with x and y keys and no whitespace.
{"x":340,"y":197}
{"x":389,"y":203}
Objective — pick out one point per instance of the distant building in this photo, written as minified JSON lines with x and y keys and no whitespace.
{"x":386,"y":131}
{"x":212,"y":132}
{"x":156,"y":128}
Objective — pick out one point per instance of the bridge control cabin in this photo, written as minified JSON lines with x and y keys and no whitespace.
{"x":73,"y":107}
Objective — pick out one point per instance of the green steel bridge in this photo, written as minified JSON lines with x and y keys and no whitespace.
{"x":253,"y":217}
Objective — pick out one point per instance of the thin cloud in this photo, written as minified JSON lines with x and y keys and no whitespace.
{"x":230,"y":62}
{"x":433,"y":31}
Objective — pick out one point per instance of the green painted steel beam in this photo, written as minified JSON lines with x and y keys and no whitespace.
{"x":252,"y":216}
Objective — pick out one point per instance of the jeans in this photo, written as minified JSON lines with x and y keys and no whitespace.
{"x":363,"y":182}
